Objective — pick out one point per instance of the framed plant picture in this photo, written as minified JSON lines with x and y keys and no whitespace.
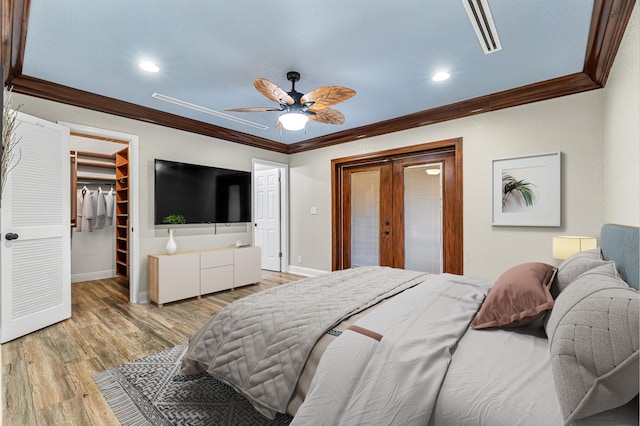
{"x":526,"y":190}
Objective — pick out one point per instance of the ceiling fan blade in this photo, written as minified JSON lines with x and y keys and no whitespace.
{"x":327,"y":116}
{"x":273,"y":92}
{"x":324,"y":97}
{"x":257,"y":109}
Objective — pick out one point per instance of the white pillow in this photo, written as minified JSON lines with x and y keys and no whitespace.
{"x":594,"y":339}
{"x":574,"y":266}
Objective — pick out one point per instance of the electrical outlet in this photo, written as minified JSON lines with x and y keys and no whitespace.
{"x":299,"y":259}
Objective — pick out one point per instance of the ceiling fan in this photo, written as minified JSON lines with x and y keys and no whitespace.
{"x":299,"y":108}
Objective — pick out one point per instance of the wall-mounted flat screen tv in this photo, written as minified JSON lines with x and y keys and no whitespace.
{"x":202,"y":194}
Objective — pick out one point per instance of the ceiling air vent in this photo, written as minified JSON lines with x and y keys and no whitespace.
{"x":208,"y":111}
{"x":482,"y":22}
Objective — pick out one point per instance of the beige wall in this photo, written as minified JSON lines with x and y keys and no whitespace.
{"x":622,"y":131}
{"x":572,"y":125}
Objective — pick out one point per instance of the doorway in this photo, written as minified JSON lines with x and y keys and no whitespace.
{"x":96,"y":247}
{"x":400,"y":208}
{"x":125,"y":221}
{"x":270,"y":201}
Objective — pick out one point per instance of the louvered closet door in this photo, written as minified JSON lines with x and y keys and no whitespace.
{"x":35,"y":279}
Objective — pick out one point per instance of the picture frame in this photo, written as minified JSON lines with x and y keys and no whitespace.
{"x":526,"y":190}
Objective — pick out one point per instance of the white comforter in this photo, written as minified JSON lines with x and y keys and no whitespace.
{"x":393,"y":374}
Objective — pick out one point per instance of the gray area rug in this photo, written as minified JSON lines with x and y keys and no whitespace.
{"x":150,"y":391}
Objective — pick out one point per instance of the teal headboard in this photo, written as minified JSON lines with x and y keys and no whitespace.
{"x":621,"y":244}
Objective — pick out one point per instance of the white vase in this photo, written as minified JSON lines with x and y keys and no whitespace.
{"x":171,"y":244}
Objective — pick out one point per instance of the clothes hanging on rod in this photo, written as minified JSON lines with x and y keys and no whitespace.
{"x":96,"y":181}
{"x":95,"y":209}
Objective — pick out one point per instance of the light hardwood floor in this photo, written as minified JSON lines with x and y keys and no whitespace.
{"x":47,"y":375}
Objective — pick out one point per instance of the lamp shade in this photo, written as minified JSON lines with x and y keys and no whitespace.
{"x":293,"y":120}
{"x":564,"y":247}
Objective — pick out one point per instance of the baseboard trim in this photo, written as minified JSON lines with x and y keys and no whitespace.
{"x":143,"y":297}
{"x":307,"y":272}
{"x":90,"y":276}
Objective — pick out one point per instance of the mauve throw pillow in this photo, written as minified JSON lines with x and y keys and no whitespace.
{"x":518,"y":297}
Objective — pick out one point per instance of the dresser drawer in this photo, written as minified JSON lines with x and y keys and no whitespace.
{"x":216,"y":279}
{"x":214,"y":259}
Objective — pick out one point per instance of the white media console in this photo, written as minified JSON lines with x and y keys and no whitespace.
{"x":194,"y":273}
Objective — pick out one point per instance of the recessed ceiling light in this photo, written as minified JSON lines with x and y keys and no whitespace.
{"x":441,"y":76}
{"x":149,"y":66}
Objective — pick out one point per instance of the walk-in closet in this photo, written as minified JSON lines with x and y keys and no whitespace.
{"x":99,"y":208}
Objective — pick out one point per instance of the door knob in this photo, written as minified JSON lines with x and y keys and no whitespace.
{"x":11,"y":236}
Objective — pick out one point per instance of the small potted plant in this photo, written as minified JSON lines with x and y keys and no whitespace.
{"x":172,"y":219}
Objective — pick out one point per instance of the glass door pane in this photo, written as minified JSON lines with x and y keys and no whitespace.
{"x":365,"y":218}
{"x":423,"y":218}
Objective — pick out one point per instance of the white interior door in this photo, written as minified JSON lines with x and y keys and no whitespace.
{"x":267,"y":225}
{"x":35,"y":266}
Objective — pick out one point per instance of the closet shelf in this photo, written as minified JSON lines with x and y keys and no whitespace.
{"x":122,"y":219}
{"x":105,"y":179}
{"x":96,"y":155}
{"x":92,"y":163}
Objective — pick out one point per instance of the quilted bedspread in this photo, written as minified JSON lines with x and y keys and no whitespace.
{"x":260,"y":343}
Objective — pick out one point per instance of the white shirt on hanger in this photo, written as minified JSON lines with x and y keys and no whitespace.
{"x":99,"y":208}
{"x":110,"y":202}
{"x":84,"y":210}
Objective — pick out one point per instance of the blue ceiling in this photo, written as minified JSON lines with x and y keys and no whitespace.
{"x":209,"y":53}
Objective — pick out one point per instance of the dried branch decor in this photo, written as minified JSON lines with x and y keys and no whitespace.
{"x":9,"y":150}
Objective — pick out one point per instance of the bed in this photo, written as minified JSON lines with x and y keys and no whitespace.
{"x":539,"y":346}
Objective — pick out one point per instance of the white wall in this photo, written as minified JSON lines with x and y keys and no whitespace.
{"x":161,"y":142}
{"x":572,"y":125}
{"x":622,"y":131}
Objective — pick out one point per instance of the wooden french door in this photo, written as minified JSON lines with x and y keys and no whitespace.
{"x":380,"y":215}
{"x":366,"y":241}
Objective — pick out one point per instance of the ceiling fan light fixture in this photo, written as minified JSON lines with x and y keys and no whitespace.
{"x":293,"y":121}
{"x":441,"y":76}
{"x":149,"y":66}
